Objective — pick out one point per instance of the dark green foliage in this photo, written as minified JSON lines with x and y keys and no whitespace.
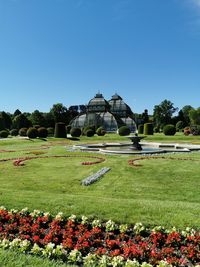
{"x":169,"y":129}
{"x":7,"y":119}
{"x":100,"y":131}
{"x":50,"y":131}
{"x":21,"y":121}
{"x":60,"y":113}
{"x":75,"y":132}
{"x":42,"y":132}
{"x":32,"y":133}
{"x":4,"y":134}
{"x":23,"y":131}
{"x":60,"y":130}
{"x":148,"y":128}
{"x":156,"y":129}
{"x":85,"y":129}
{"x":2,"y":124}
{"x":37,"y":118}
{"x":179,"y":126}
{"x":140,"y":128}
{"x":68,"y":128}
{"x":37,"y":126}
{"x":90,"y":133}
{"x":124,"y":130}
{"x":14,"y":132}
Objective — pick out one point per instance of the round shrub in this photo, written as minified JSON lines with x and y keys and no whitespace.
{"x":23,"y":132}
{"x":156,"y":129}
{"x":4,"y":134}
{"x":14,"y":132}
{"x":140,"y":128}
{"x":169,"y":129}
{"x":148,"y":128}
{"x":124,"y":130}
{"x":90,"y":133}
{"x":85,"y":129}
{"x":42,"y":132}
{"x":37,"y":126}
{"x":32,"y":133}
{"x":68,"y":128}
{"x":60,"y":130}
{"x":187,"y":130}
{"x":75,"y":132}
{"x":50,"y":131}
{"x":100,"y":131}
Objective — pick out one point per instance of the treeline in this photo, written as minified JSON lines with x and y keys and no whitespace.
{"x":18,"y":120}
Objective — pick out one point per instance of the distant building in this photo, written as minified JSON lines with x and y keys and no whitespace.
{"x":110,"y":114}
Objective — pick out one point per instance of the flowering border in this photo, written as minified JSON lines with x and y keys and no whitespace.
{"x":93,"y":243}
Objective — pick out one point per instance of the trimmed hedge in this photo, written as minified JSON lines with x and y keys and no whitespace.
{"x":148,"y":128}
{"x":90,"y":133}
{"x":4,"y":134}
{"x":14,"y":132}
{"x":140,"y":128}
{"x":124,"y":130}
{"x":75,"y":132}
{"x":60,"y":130}
{"x":100,"y":131}
{"x":169,"y":129}
{"x":23,"y":132}
{"x":32,"y":133}
{"x":42,"y":132}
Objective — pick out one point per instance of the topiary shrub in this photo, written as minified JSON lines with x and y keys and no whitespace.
{"x":85,"y":129}
{"x":32,"y":133}
{"x":68,"y":128}
{"x":179,"y":126}
{"x":50,"y":131}
{"x":60,"y":130}
{"x":36,"y":126}
{"x":75,"y":132}
{"x":140,"y":128}
{"x":4,"y":134}
{"x":187,"y":130}
{"x":148,"y":128}
{"x":42,"y":132}
{"x":124,"y":130}
{"x":90,"y":133}
{"x":156,"y":129}
{"x":14,"y":132}
{"x":169,"y":129}
{"x":100,"y":131}
{"x":23,"y":132}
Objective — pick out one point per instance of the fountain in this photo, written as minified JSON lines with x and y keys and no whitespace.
{"x":136,"y":141}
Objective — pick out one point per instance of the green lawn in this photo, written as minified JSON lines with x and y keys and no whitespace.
{"x":160,"y":192}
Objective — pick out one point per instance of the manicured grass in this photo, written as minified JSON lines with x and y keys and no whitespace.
{"x":164,"y":192}
{"x":14,"y":259}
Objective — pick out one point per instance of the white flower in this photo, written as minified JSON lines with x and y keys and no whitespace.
{"x":110,"y":226}
{"x":75,"y":256}
{"x":5,"y":243}
{"x":72,"y":218}
{"x":36,"y":250}
{"x":59,"y":216}
{"x":163,"y":264}
{"x":90,"y":260}
{"x":96,"y":223}
{"x":117,"y":261}
{"x":84,"y":219}
{"x":123,"y":228}
{"x":138,"y":227}
{"x":130,"y":263}
{"x":104,"y":261}
{"x":144,"y":264}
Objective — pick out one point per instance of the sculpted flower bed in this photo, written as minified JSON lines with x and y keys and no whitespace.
{"x":92,"y":243}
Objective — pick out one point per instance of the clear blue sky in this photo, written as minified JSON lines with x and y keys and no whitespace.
{"x":65,"y":51}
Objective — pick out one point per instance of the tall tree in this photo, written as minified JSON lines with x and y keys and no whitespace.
{"x":186,"y":110}
{"x":163,"y":112}
{"x":60,"y":113}
{"x":21,"y":121}
{"x":37,"y":118}
{"x":194,"y":115}
{"x":7,"y":119}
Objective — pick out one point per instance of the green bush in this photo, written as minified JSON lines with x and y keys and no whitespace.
{"x":169,"y":129}
{"x":187,"y":130}
{"x":124,"y":130}
{"x":42,"y":132}
{"x":100,"y":131}
{"x":37,"y":126}
{"x":32,"y":133}
{"x":60,"y":130}
{"x":14,"y":132}
{"x":140,"y":128}
{"x":68,"y":128}
{"x":85,"y":129}
{"x":90,"y":133}
{"x":156,"y":129}
{"x":148,"y":128}
{"x":23,"y":132}
{"x":75,"y":132}
{"x":4,"y":134}
{"x":50,"y":131}
{"x":179,"y":126}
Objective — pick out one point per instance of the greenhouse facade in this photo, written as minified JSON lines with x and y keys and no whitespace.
{"x":110,"y":114}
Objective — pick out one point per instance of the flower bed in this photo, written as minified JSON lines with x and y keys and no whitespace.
{"x":92,"y":243}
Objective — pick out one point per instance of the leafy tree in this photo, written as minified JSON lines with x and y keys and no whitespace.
{"x":17,"y":112}
{"x":7,"y":119}
{"x":21,"y":121}
{"x":37,"y":118}
{"x":194,"y":115}
{"x":163,"y":112}
{"x":60,"y":113}
{"x":49,"y":119}
{"x":185,"y":111}
{"x":2,"y":124}
{"x":145,"y":116}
